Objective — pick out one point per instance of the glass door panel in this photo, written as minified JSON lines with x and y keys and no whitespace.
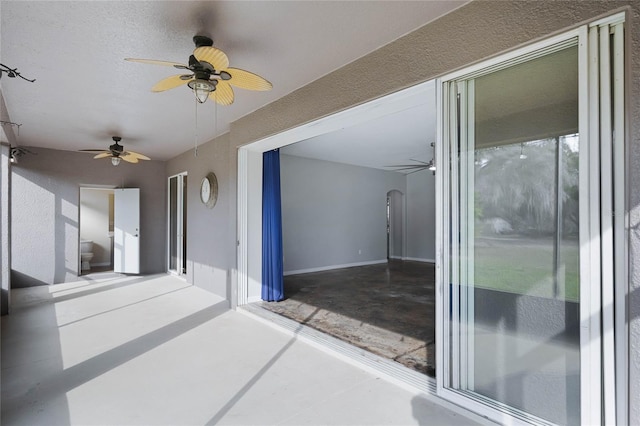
{"x":177,"y":232}
{"x":173,"y":223}
{"x":515,"y":334}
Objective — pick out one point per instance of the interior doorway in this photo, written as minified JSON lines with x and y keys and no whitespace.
{"x":177,"y":228}
{"x":395,"y":225}
{"x":95,"y":253}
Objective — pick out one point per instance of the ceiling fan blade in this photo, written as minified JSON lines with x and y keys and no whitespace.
{"x":210,"y":54}
{"x":156,"y":62}
{"x":137,"y":155}
{"x":169,"y":83}
{"x":409,"y":165}
{"x":128,"y":158}
{"x":103,"y":155}
{"x":247,"y":80}
{"x":223,"y":93}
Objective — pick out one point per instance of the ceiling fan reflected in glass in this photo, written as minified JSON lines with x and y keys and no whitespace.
{"x":117,"y":153}
{"x":418,"y":166}
{"x":210,"y":77}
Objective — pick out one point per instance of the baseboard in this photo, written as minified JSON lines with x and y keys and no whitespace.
{"x":331,"y":267}
{"x":101,"y":264}
{"x":419,"y":259}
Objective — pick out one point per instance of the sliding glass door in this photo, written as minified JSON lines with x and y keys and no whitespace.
{"x":522,"y":238}
{"x":177,"y":232}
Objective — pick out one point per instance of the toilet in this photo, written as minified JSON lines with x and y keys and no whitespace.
{"x":86,"y":254}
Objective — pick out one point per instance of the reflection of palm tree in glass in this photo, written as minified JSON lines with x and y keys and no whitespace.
{"x":522,"y":199}
{"x":522,"y":191}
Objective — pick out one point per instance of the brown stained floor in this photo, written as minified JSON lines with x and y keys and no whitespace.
{"x":387,"y":309}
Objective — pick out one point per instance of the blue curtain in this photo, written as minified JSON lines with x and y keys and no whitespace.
{"x":272,"y":278}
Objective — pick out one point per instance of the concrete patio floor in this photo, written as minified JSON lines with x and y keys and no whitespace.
{"x":121,"y":350}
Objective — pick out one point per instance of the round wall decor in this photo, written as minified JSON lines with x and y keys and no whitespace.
{"x":209,"y":190}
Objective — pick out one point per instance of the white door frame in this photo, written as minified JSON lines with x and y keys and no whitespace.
{"x":97,"y":187}
{"x":250,"y":175}
{"x":181,"y":262}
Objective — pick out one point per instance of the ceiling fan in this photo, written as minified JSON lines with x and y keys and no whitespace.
{"x":210,"y":75}
{"x":116,"y":152}
{"x":421,"y":165}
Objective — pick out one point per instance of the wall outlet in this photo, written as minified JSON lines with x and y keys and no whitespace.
{"x":359,"y":251}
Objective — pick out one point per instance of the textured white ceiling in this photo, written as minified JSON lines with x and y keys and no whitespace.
{"x":400,"y":137}
{"x":85,"y":92}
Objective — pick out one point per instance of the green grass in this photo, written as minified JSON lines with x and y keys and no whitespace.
{"x":525,"y":266}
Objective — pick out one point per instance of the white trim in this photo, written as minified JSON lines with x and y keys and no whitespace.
{"x":491,"y":409}
{"x":460,"y":341}
{"x":442,"y":277}
{"x":100,"y":263}
{"x":181,"y":263}
{"x":606,"y":229}
{"x":380,"y":107}
{"x":242,"y":236}
{"x":618,"y":18}
{"x":591,"y":346}
{"x":332,"y":267}
{"x":419,"y":259}
{"x":620,"y":226}
{"x":516,"y":56}
{"x":468,"y":307}
{"x":454,"y":176}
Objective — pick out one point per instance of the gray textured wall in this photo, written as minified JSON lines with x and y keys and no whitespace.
{"x":421,"y":216}
{"x":472,"y":33}
{"x":45,"y":190}
{"x":332,"y":213}
{"x":209,"y":260}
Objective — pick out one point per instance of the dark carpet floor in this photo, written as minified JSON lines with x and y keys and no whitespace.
{"x":387,"y":309}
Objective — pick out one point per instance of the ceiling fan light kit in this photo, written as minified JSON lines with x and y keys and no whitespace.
{"x":202,"y":88}
{"x":211,"y":75}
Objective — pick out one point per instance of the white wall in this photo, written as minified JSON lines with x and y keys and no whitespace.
{"x":94,"y":223}
{"x":421,"y":213}
{"x":333,"y":214}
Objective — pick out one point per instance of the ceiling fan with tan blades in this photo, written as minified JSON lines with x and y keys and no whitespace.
{"x":116,"y":152}
{"x":210,"y":75}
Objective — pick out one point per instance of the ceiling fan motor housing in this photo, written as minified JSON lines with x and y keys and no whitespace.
{"x":116,"y":149}
{"x":200,"y":40}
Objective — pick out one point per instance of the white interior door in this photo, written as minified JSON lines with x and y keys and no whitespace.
{"x":126,"y":227}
